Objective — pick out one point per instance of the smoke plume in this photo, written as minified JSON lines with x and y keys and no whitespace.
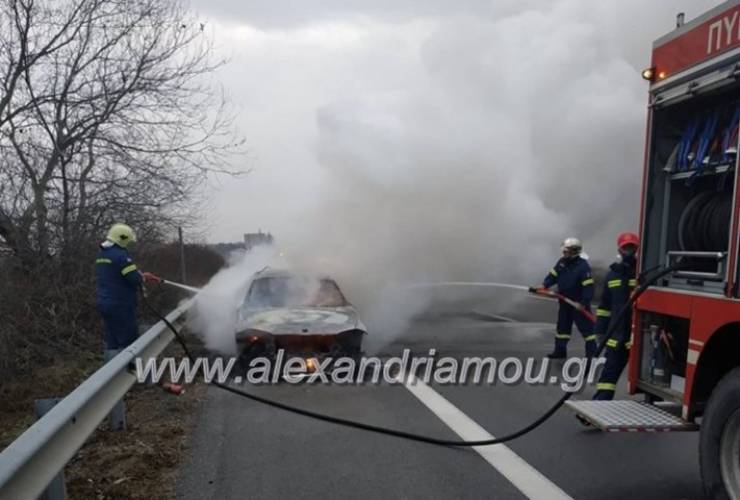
{"x":422,"y":142}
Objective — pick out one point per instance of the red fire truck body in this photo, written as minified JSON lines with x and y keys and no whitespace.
{"x":681,"y":59}
{"x":685,"y":357}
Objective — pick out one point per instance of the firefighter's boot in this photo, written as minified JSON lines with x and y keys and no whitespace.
{"x":561,"y":347}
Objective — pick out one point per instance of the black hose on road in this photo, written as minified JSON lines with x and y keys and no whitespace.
{"x":420,"y":437}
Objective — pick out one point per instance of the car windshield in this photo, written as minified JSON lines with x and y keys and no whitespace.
{"x":290,"y":291}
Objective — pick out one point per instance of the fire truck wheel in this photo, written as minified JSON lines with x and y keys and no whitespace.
{"x":719,"y":441}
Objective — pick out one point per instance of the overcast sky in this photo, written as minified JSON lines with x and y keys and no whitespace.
{"x":396,"y":128}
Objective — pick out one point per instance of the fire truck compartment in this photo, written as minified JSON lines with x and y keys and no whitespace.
{"x":688,"y":207}
{"x":663,"y":354}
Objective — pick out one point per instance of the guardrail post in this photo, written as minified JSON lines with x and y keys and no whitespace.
{"x":57,"y":489}
{"x":118,"y":412}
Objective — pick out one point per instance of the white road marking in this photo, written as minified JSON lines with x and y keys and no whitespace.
{"x":496,"y":316}
{"x":506,"y":324}
{"x":531,"y":482}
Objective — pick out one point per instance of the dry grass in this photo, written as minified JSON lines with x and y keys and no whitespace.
{"x":140,"y":462}
{"x":56,"y":380}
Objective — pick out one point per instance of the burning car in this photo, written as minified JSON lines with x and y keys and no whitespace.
{"x":303,"y":315}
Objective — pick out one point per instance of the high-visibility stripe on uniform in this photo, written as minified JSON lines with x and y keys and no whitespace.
{"x":589,"y":281}
{"x":613,"y":283}
{"x":628,"y":345}
{"x":612,"y":343}
{"x":128,"y":269}
{"x":605,"y":386}
{"x":103,"y":261}
{"x":604,"y":313}
{"x":590,"y":338}
{"x":632,"y":282}
{"x":554,"y":272}
{"x":562,"y":336}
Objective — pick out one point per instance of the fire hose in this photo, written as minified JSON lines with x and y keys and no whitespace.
{"x":543,"y":292}
{"x":645,"y":283}
{"x":181,"y":286}
{"x":572,"y":303}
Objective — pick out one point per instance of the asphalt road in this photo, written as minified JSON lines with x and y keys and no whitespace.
{"x":241,"y":449}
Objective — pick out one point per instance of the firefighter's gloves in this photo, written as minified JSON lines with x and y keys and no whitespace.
{"x":151,"y":278}
{"x":537,"y":290}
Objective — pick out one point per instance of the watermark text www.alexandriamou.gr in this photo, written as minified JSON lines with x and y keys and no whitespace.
{"x":572,"y":375}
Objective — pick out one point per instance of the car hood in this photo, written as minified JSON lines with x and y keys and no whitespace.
{"x":302,"y":320}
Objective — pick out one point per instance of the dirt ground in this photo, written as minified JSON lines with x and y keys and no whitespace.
{"x":140,"y":462}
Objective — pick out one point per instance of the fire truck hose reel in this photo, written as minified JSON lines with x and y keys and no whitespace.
{"x":703,"y":224}
{"x":627,"y":309}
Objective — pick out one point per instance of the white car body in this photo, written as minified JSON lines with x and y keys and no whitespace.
{"x":294,"y":312}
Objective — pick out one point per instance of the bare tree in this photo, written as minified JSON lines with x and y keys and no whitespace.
{"x":27,"y":35}
{"x":107,"y":114}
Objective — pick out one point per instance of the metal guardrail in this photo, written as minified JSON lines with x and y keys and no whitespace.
{"x":29,"y":464}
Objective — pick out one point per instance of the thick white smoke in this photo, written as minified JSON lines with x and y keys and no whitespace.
{"x":456,"y":144}
{"x":214,"y":317}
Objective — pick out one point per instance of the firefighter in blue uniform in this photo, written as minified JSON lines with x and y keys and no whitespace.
{"x":620,"y":282}
{"x":118,"y":281}
{"x":572,"y":275}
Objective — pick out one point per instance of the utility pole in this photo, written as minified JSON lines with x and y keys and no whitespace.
{"x":182,"y":255}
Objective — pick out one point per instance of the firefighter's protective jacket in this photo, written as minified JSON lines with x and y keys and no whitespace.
{"x":573,"y":277}
{"x":118,"y":277}
{"x":620,"y":281}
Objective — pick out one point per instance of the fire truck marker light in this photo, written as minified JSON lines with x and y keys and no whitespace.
{"x":692,"y":357}
{"x":662,"y":75}
{"x":648,"y":74}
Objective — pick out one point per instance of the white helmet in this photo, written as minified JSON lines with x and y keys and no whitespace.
{"x":573,"y":245}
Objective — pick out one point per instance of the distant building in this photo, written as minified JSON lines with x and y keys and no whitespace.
{"x":259,"y":238}
{"x":251,"y":240}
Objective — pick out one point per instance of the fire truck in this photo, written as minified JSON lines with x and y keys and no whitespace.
{"x":685,"y":357}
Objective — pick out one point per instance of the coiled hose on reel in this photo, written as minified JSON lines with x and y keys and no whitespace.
{"x":704,"y":223}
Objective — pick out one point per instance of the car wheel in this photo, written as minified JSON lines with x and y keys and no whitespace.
{"x":719,"y":441}
{"x":351,"y":342}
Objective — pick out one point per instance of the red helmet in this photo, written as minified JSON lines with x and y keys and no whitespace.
{"x":628,"y":239}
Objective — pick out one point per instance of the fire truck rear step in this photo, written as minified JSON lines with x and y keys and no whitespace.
{"x":629,"y":416}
